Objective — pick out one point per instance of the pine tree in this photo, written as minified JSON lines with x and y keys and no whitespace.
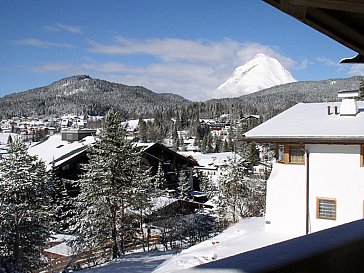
{"x":175,"y":139}
{"x":218,"y":144}
{"x":232,"y":190}
{"x":142,"y":130}
{"x":160,"y":181}
{"x":62,"y":203}
{"x":183,"y":185}
{"x":141,"y":205}
{"x":204,"y":144}
{"x":107,"y":188}
{"x":24,"y":210}
{"x":251,"y":153}
{"x":225,"y":147}
{"x":361,"y":90}
{"x":10,"y":140}
{"x":209,"y":144}
{"x":207,"y":186}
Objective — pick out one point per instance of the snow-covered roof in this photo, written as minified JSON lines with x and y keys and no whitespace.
{"x":210,"y":159}
{"x":58,"y":150}
{"x":133,"y":124}
{"x":61,"y":249}
{"x":310,"y":122}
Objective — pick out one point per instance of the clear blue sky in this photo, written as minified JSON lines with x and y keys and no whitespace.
{"x":188,"y":47}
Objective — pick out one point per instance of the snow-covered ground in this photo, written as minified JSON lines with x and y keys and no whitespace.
{"x":133,"y":263}
{"x":246,"y":235}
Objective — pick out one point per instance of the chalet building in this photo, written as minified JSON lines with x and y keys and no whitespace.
{"x":317,"y":181}
{"x":172,"y":162}
{"x":250,"y":121}
{"x":67,"y":151}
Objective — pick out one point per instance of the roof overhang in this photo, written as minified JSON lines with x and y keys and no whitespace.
{"x":307,"y":139}
{"x":342,"y":20}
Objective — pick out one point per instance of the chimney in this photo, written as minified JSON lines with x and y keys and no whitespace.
{"x":348,"y":105}
{"x":336,"y":111}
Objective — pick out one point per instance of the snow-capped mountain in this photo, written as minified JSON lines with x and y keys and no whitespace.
{"x":259,"y":73}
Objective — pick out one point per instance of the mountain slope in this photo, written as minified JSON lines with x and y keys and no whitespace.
{"x":84,"y":95}
{"x":271,"y":101}
{"x":259,"y":73}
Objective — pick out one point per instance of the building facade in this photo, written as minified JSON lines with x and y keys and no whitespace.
{"x":317,"y":181}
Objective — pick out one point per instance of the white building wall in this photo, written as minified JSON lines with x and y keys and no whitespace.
{"x":335,"y":172}
{"x":285,"y":203}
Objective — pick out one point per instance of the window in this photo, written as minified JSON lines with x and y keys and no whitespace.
{"x":290,"y":154}
{"x":326,"y":208}
{"x":296,"y":155}
{"x":280,"y":153}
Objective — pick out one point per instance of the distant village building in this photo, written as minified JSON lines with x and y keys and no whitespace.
{"x":250,"y":121}
{"x":211,"y":165}
{"x":317,"y":179}
{"x":72,"y":135}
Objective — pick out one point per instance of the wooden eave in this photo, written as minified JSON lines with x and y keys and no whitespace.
{"x":341,"y":20}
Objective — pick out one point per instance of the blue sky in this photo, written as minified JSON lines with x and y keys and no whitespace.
{"x":187,"y":47}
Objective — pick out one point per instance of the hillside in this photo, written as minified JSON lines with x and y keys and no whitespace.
{"x":287,"y":95}
{"x":271,"y":101}
{"x":84,"y":95}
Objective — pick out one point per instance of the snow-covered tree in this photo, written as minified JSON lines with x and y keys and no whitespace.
{"x":225,"y":147}
{"x":106,"y":188}
{"x":232,"y":190}
{"x":142,"y":130}
{"x":61,"y":202}
{"x":209,"y":144}
{"x":183,"y":185}
{"x":175,"y":139}
{"x":361,"y":90}
{"x":251,"y":153}
{"x":218,"y":144}
{"x":240,"y":194}
{"x":141,"y":204}
{"x":207,"y":185}
{"x":24,"y":210}
{"x":160,"y":181}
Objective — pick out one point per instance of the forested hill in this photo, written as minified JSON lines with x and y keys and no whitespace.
{"x":84,"y":95}
{"x":271,"y":101}
{"x":81,"y":95}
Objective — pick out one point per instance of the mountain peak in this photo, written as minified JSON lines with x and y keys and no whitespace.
{"x":259,"y":73}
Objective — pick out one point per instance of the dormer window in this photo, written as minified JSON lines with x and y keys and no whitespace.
{"x":290,"y":154}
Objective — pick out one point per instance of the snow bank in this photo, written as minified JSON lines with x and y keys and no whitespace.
{"x":244,"y":236}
